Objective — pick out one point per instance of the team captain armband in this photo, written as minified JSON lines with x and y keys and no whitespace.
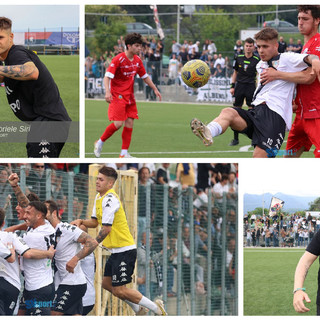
{"x":232,"y":85}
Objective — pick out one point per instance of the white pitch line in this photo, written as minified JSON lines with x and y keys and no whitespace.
{"x":177,"y":152}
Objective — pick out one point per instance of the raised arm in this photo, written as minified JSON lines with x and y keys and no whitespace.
{"x":27,"y":71}
{"x":21,"y":197}
{"x":89,"y":223}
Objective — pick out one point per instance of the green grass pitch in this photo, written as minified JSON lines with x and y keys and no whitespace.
{"x":65,"y":72}
{"x":163,"y":130}
{"x":268,"y":281}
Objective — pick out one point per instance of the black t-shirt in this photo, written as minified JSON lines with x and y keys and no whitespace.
{"x":246,"y":68}
{"x":314,"y":248}
{"x":33,"y":100}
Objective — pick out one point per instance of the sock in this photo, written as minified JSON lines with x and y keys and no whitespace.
{"x":134,"y":307}
{"x":214,"y":128}
{"x":124,"y":152}
{"x":145,"y":302}
{"x":100,"y":143}
{"x":236,"y":135}
{"x":110,"y":130}
{"x":126,"y":138}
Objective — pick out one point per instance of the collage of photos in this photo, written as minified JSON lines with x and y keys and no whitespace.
{"x":155,"y":194}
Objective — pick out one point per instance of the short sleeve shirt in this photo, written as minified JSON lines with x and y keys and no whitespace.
{"x":122,"y":72}
{"x":110,"y":205}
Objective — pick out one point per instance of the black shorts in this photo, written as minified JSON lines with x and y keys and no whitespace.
{"x":243,"y":91}
{"x":38,"y":302}
{"x":68,"y":299}
{"x":8,"y":297}
{"x":46,"y":138}
{"x":266,"y":128}
{"x":120,"y":267}
{"x":87,"y":309}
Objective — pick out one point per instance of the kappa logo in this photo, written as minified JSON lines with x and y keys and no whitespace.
{"x":67,"y":293}
{"x":123,"y":274}
{"x":123,"y":269}
{"x":123,"y":263}
{"x":123,"y":279}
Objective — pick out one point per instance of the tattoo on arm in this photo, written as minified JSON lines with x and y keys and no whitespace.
{"x":89,"y":245}
{"x":102,"y":234}
{"x":18,"y":71}
{"x":21,"y":197}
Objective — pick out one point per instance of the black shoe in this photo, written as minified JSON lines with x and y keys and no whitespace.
{"x":234,"y":142}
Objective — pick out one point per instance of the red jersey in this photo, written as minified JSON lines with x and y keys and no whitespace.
{"x":122,"y":72}
{"x":308,"y":95}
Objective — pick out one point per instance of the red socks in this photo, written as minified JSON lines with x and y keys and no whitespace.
{"x":126,"y":138}
{"x":110,"y":130}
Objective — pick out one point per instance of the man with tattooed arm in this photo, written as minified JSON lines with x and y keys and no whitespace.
{"x":116,"y":237}
{"x":33,"y":96}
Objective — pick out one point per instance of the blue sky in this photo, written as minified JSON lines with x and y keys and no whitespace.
{"x":38,"y":17}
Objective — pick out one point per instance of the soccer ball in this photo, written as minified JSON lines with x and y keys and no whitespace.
{"x":195,"y":73}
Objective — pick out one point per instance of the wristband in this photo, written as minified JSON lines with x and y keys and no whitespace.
{"x":232,"y":85}
{"x":298,"y":289}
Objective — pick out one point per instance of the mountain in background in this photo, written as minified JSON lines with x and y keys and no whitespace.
{"x":291,"y":203}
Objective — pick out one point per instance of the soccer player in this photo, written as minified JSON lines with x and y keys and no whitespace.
{"x":32,"y":95}
{"x":115,"y":236}
{"x":71,"y":287}
{"x":308,"y":258}
{"x":9,"y":266}
{"x":243,"y":80}
{"x":305,"y":129}
{"x":266,"y":123}
{"x":120,"y":96}
{"x":37,"y":273}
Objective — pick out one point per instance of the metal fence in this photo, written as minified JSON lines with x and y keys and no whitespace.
{"x":192,"y":248}
{"x":187,"y":246}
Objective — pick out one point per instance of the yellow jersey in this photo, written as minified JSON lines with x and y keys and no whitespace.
{"x":108,"y":211}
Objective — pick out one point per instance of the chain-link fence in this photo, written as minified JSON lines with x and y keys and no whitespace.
{"x":191,"y":245}
{"x":187,"y":241}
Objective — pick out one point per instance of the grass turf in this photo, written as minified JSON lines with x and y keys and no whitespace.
{"x":268,"y":281}
{"x":65,"y":72}
{"x":163,"y":130}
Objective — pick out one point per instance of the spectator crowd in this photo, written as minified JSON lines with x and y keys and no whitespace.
{"x":280,"y":230}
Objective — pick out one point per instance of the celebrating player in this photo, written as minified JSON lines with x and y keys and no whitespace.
{"x":33,"y":96}
{"x":266,"y":123}
{"x":71,"y":287}
{"x":305,"y":128}
{"x":120,"y":96}
{"x":115,"y":235}
{"x":243,"y":80}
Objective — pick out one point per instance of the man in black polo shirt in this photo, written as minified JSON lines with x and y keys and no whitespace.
{"x":33,"y":96}
{"x":299,"y":295}
{"x":243,"y":80}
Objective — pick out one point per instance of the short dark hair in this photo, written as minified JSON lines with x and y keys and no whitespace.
{"x":53,"y":207}
{"x":314,"y":9}
{"x":140,"y":170}
{"x":33,"y":197}
{"x":2,"y":216}
{"x":109,"y":172}
{"x":5,"y":23}
{"x":39,"y":206}
{"x":224,"y":177}
{"x":266,"y":34}
{"x":133,"y":38}
{"x":249,"y":40}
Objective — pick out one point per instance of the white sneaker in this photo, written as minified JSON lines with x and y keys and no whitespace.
{"x":201,"y":131}
{"x":126,"y":156}
{"x":160,"y":305}
{"x":97,"y":149}
{"x":142,"y":311}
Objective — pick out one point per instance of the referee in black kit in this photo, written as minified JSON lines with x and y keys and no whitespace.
{"x":243,"y":80}
{"x":33,"y":96}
